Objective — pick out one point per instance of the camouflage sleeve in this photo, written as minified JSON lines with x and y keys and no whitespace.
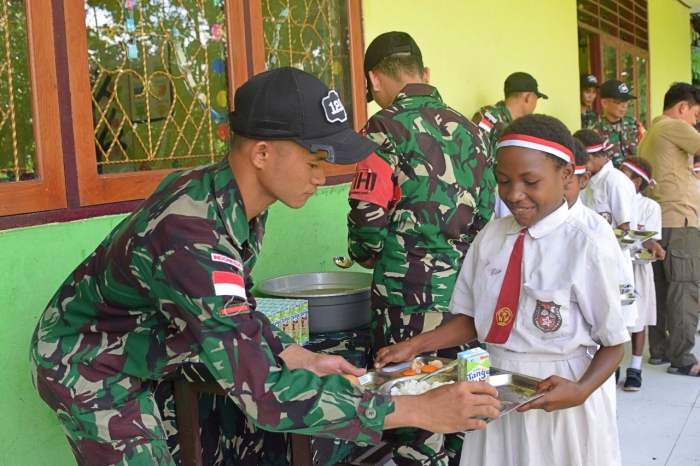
{"x":486,"y":202}
{"x":373,"y":194}
{"x":206,"y":300}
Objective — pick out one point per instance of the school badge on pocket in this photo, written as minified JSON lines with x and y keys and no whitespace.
{"x":547,"y":316}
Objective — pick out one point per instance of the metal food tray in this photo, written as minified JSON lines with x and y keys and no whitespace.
{"x":629,"y":238}
{"x":628,"y":298}
{"x":514,"y":390}
{"x":643,"y":257}
{"x":641,"y":235}
{"x":402,"y":366}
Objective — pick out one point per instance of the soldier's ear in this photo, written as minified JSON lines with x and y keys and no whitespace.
{"x":375,"y":80}
{"x":259,"y":154}
{"x":426,"y":75}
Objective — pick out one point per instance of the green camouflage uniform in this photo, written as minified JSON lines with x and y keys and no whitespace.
{"x":588,"y":118}
{"x":415,"y":204}
{"x":624,"y":136}
{"x":170,"y":282}
{"x":493,"y":120}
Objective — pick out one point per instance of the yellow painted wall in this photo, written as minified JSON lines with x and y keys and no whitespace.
{"x":471,"y":46}
{"x":669,"y":49}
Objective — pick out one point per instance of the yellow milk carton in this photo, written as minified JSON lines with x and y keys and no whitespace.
{"x":473,"y":365}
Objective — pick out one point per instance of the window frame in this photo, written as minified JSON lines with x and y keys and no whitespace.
{"x":48,"y":192}
{"x":337,"y":173}
{"x":97,"y":189}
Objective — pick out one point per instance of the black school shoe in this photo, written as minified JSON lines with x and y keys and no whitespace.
{"x":617,"y":376}
{"x":633,"y":382}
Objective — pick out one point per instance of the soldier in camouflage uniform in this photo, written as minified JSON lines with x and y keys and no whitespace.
{"x":414,"y":205}
{"x":173,"y":280}
{"x":589,"y":89}
{"x":521,"y":94}
{"x":622,"y":132}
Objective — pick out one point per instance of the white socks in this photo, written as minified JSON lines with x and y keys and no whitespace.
{"x":636,"y":363}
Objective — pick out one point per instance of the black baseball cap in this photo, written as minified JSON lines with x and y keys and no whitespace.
{"x":588,"y":81}
{"x":384,"y":45}
{"x":617,"y":90}
{"x":522,"y":82}
{"x":291,"y":104}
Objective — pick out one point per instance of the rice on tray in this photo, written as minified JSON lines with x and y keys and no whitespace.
{"x":414,"y":387}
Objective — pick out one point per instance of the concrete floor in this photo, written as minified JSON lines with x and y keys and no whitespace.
{"x":660,"y":424}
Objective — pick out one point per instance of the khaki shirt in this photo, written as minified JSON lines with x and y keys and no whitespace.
{"x":669,"y":146}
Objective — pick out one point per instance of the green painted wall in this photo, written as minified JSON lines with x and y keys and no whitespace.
{"x":474,"y":45}
{"x":35,"y":261}
{"x":669,"y":49}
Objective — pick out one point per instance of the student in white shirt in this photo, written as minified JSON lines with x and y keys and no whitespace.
{"x":540,"y":289}
{"x":638,"y":171}
{"x":611,"y":194}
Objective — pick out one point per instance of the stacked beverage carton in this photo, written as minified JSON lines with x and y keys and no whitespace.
{"x":289,"y":315}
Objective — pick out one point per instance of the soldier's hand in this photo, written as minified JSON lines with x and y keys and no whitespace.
{"x":399,"y":352}
{"x":457,"y":407}
{"x":324,"y":364}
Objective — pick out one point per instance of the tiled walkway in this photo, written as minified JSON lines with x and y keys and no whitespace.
{"x":660,"y":424}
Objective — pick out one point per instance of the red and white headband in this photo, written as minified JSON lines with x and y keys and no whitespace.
{"x":530,"y":142}
{"x":598,"y":147}
{"x":696,"y":167}
{"x":580,"y":170}
{"x":644,"y":175}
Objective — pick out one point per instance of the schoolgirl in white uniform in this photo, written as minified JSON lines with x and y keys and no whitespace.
{"x":612,"y":195}
{"x":638,"y":171}
{"x":540,"y":289}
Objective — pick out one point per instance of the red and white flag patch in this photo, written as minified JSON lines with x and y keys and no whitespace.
{"x":226,"y":260}
{"x":486,"y":125}
{"x":228,"y":284}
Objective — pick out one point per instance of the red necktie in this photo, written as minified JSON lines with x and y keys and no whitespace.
{"x":507,"y":305}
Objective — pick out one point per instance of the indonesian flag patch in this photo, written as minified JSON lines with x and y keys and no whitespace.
{"x":486,"y":125}
{"x":228,"y":284}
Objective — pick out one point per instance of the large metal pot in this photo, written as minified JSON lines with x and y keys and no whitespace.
{"x":338,"y":301}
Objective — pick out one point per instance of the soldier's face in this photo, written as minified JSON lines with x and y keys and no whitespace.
{"x":292,"y":174}
{"x":588,"y":96}
{"x":530,"y":184}
{"x":615,"y":109}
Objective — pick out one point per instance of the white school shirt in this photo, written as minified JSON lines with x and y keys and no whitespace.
{"x":611,"y":194}
{"x":648,"y":215}
{"x":598,"y":224}
{"x":566,"y":267}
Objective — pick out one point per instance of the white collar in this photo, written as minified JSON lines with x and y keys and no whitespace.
{"x":544,"y":226}
{"x":602,"y":174}
{"x":576,"y":208}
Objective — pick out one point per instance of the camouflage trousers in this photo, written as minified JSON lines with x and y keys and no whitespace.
{"x":128,"y":432}
{"x":413,"y":447}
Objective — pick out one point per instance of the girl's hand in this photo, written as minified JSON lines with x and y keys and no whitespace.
{"x":657,"y":251}
{"x":399,"y":352}
{"x":561,"y":394}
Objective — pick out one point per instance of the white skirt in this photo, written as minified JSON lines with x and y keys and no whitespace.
{"x":646,"y":305}
{"x":630,"y":312}
{"x":582,"y":436}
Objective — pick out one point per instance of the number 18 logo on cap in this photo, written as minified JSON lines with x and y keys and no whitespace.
{"x":333,"y":108}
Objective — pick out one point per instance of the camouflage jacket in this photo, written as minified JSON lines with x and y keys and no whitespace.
{"x":418,"y":201}
{"x":493,"y":120}
{"x":624,"y":136}
{"x":172,"y":281}
{"x":588,"y":118}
